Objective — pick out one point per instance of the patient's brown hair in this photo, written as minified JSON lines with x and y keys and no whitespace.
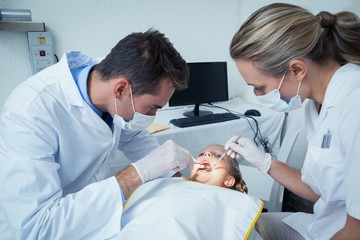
{"x":234,"y":171}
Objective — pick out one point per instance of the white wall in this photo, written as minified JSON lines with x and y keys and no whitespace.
{"x":201,"y":30}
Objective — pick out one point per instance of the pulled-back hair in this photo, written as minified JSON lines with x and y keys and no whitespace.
{"x":278,"y":33}
{"x":240,"y":184}
{"x":145,"y":59}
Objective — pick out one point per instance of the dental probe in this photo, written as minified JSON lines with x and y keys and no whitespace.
{"x":217,"y":161}
{"x":223,"y":155}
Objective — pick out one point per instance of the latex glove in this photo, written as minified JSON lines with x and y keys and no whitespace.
{"x":167,"y":157}
{"x":250,"y":152}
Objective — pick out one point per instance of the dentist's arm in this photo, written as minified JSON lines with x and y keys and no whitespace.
{"x":168,"y":156}
{"x":129,"y":180}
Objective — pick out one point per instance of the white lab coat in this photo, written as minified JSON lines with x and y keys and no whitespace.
{"x":55,"y":154}
{"x":333,"y":173}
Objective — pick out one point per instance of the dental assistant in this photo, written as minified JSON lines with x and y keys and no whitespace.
{"x":61,"y":130}
{"x":288,"y":55}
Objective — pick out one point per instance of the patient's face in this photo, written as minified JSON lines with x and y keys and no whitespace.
{"x":203,"y":173}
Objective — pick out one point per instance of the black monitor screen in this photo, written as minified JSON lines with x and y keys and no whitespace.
{"x":208,"y":83}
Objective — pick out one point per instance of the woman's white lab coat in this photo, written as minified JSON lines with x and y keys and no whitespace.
{"x":55,"y":154}
{"x":333,"y":172}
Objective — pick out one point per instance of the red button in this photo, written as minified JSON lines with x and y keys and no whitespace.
{"x":42,"y":53}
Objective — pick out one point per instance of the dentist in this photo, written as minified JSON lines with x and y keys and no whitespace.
{"x":62,"y":128}
{"x":288,"y":55}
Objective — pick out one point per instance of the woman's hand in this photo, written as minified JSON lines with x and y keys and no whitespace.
{"x":250,"y":152}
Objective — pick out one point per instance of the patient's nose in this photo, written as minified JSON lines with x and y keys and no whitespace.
{"x":207,"y":154}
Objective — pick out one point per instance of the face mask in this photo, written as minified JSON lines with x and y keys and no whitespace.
{"x":139,"y":121}
{"x":273,"y":100}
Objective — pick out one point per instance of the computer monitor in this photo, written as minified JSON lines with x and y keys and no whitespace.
{"x":208,"y":83}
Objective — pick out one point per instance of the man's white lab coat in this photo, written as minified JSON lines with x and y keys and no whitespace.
{"x":55,"y":155}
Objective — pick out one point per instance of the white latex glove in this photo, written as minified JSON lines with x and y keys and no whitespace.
{"x":250,"y":152}
{"x":168,"y":156}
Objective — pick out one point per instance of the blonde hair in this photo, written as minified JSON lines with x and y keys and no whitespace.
{"x":278,"y":33}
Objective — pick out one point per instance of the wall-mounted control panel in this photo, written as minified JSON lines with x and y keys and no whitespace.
{"x":41,"y":50}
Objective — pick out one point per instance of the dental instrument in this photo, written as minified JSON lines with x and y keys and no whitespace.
{"x":217,"y":161}
{"x":195,"y":162}
{"x":222,"y":156}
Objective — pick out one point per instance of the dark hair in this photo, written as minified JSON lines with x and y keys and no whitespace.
{"x":145,"y":59}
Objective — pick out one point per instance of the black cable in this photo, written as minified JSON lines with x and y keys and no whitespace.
{"x":56,"y":57}
{"x":257,"y":133}
{"x":263,"y":141}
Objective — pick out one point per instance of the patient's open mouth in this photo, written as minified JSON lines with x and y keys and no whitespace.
{"x":205,"y":166}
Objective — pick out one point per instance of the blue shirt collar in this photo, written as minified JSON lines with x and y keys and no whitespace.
{"x":80,"y":76}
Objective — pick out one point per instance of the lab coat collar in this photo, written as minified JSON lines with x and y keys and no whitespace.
{"x":75,"y":59}
{"x":334,"y":91}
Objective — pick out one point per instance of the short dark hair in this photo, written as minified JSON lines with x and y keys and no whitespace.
{"x":145,"y":59}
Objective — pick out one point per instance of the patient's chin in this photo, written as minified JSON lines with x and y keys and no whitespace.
{"x":201,"y":178}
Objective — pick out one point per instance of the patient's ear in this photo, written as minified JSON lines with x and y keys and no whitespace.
{"x":230,"y":181}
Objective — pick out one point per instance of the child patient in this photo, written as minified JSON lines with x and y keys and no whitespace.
{"x":225,"y":174}
{"x":187,"y":203}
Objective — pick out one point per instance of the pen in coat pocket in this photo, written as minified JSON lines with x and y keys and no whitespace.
{"x":326,"y":140}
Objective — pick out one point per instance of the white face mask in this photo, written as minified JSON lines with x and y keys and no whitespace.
{"x":139,"y":121}
{"x":273,"y":100}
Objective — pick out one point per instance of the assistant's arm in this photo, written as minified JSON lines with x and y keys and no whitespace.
{"x":291,"y":179}
{"x":351,"y":230}
{"x":279,"y":171}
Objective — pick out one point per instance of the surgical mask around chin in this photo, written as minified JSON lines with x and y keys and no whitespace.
{"x":272,"y":100}
{"x":139,"y":121}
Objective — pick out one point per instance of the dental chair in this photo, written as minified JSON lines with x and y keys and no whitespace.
{"x":292,"y":151}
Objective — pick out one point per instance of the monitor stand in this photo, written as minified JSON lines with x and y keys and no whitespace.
{"x":197,"y":112}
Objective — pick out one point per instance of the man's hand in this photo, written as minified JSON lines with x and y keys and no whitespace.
{"x":169,"y":156}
